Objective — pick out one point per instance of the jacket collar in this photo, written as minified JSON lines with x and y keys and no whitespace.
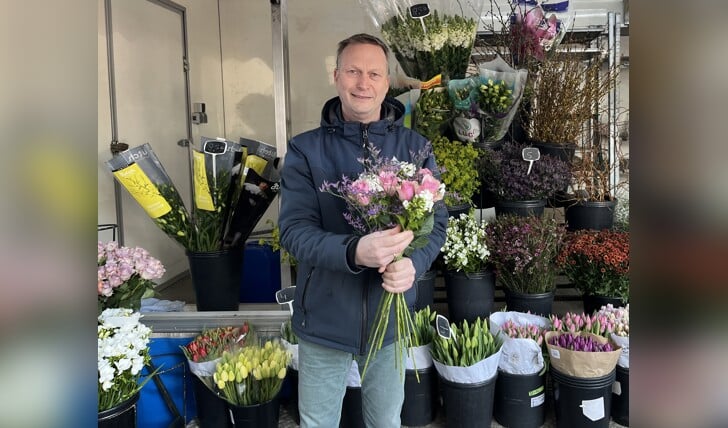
{"x":332,"y":119}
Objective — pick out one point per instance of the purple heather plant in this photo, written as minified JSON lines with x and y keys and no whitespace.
{"x":508,"y":177}
{"x":524,"y":250}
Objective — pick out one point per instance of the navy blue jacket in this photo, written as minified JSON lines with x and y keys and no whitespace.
{"x":334,"y":304}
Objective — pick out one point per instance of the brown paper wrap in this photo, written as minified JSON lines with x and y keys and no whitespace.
{"x":580,"y":363}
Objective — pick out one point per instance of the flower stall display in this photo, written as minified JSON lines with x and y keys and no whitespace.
{"x":122,"y":352}
{"x":523,"y":251}
{"x":125,"y":275}
{"x":457,"y":162}
{"x":428,"y":38}
{"x":388,"y":193}
{"x":597,"y":262}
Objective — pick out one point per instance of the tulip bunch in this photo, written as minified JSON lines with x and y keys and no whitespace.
{"x":252,"y":374}
{"x":466,"y":346}
{"x":423,"y":331}
{"x":287,"y":333}
{"x":598,"y":323}
{"x":211,"y":343}
{"x":580,"y":343}
{"x":617,"y":317}
{"x":530,"y":331}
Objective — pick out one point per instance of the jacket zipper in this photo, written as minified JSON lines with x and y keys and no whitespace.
{"x":303,"y":296}
{"x":365,"y":291}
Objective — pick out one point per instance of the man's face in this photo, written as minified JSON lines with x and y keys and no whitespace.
{"x":362,"y":82}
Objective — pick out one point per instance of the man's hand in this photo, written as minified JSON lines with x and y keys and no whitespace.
{"x":399,"y":276}
{"x":378,"y":249}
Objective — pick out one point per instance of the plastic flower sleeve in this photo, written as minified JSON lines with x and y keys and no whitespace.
{"x":479,"y":372}
{"x":428,"y":38}
{"x":537,"y":29}
{"x":622,"y":341}
{"x":519,"y":355}
{"x":353,"y":379}
{"x":419,"y":357}
{"x":212,"y":184}
{"x":141,"y":173}
{"x":500,"y":91}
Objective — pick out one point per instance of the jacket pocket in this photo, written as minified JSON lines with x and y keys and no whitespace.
{"x":304,"y":292}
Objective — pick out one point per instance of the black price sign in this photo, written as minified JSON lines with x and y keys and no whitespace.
{"x":443,"y":327}
{"x":284,"y":296}
{"x":419,"y":10}
{"x":215,"y":147}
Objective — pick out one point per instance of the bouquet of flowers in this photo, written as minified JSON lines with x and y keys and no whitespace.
{"x":465,"y":248}
{"x":205,"y":350}
{"x":523,"y":250}
{"x":234,"y":183}
{"x":582,"y":354}
{"x":597,"y":262}
{"x":125,"y":276}
{"x":429,"y":38}
{"x":386,"y":194}
{"x":533,"y":34}
{"x":121,"y":354}
{"x":252,"y":374}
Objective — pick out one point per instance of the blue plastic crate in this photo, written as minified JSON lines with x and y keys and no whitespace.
{"x":261,"y":274}
{"x":152,"y":411}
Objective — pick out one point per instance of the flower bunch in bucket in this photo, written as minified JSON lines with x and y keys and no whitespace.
{"x":580,"y":343}
{"x":252,"y":374}
{"x":234,"y":183}
{"x":582,"y":354}
{"x":523,"y":341}
{"x":121,"y":354}
{"x":125,"y":275}
{"x":465,"y":248}
{"x":529,"y":331}
{"x":618,"y":321}
{"x":390,"y":193}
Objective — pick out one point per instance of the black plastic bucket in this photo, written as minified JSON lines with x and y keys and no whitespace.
{"x":595,"y":215}
{"x":468,"y":404}
{"x":582,"y":402}
{"x":212,"y":411}
{"x":538,"y":304}
{"x":123,"y":415}
{"x":264,"y":415}
{"x":216,"y":277}
{"x":469,"y":296}
{"x":351,"y":410}
{"x":620,"y":397}
{"x":519,"y":399}
{"x":426,"y":290}
{"x":420,"y":399}
{"x":529,"y":208}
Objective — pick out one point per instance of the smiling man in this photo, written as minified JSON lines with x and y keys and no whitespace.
{"x":342,"y":276}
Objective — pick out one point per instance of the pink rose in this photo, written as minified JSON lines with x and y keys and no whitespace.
{"x":406,"y":190}
{"x":363,"y":199}
{"x":429,"y":184}
{"x":388,"y":180}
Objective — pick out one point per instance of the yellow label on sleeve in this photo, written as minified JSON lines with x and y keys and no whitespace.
{"x":143,"y":190}
{"x":203,"y":199}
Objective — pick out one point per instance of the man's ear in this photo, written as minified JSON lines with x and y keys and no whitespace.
{"x":336,"y":74}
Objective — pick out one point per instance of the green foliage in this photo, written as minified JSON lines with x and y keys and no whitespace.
{"x":457,"y":161}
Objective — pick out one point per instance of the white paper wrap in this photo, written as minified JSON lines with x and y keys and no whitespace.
{"x":622,"y":341}
{"x":203,"y":369}
{"x":479,"y":372}
{"x":293,"y":349}
{"x":353,"y":379}
{"x":419,"y":357}
{"x":520,"y":356}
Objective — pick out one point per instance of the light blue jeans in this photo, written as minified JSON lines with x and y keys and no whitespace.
{"x":322,"y":375}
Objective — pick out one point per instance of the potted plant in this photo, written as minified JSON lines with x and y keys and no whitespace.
{"x":125,"y":276}
{"x":249,"y":378}
{"x":457,"y":162}
{"x":519,"y":187}
{"x":469,"y":280}
{"x":466,"y":361}
{"x":433,"y":111}
{"x":523,"y":252}
{"x":597,"y":263}
{"x":123,"y":350}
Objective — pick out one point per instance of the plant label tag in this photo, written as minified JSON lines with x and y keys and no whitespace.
{"x":593,"y":409}
{"x":555,"y":353}
{"x":617,"y":388}
{"x":284,"y":296}
{"x":419,"y":10}
{"x":538,"y":400}
{"x":530,"y":154}
{"x":443,"y":327}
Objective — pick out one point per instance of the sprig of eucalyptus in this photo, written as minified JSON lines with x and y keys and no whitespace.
{"x":467,"y":344}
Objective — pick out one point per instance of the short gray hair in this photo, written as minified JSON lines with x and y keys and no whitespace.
{"x":361,"y":39}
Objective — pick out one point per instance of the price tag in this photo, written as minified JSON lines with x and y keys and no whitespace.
{"x":420,"y":11}
{"x":530,"y":154}
{"x":443,"y":327}
{"x":285,"y":296}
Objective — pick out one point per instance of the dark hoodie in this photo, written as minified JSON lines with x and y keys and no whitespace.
{"x":335,"y":303}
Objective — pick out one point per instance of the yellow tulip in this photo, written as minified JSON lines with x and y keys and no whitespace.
{"x":282,"y":373}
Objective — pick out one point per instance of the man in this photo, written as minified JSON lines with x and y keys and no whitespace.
{"x":341,"y":277}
